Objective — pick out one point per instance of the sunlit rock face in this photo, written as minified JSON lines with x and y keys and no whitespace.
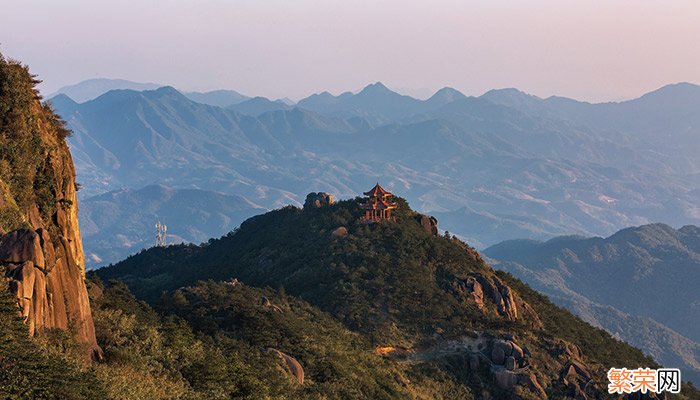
{"x":41,"y":252}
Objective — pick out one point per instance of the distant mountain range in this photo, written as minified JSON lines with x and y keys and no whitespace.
{"x":119,"y":223}
{"x":640,"y":284}
{"x":94,"y":88}
{"x":501,"y":166}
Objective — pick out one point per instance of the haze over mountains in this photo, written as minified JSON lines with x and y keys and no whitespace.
{"x":117,"y":223}
{"x":504,"y":165}
{"x":640,"y":284}
{"x":93,"y":88}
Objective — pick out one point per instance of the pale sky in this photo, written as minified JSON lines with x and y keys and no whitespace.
{"x":591,"y":50}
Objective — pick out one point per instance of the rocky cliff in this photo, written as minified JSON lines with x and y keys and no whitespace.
{"x":41,"y":251}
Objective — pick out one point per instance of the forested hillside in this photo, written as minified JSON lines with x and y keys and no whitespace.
{"x":428,"y":304}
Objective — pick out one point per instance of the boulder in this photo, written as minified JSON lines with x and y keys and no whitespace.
{"x":477,"y":293}
{"x":340,"y":232}
{"x":581,"y":370}
{"x":317,"y":200}
{"x":576,"y":378}
{"x":507,"y":307}
{"x":292,"y":365}
{"x":429,"y":223}
{"x":500,"y":294}
{"x":470,"y":289}
{"x":510,"y":363}
{"x":498,"y":356}
{"x":504,"y":345}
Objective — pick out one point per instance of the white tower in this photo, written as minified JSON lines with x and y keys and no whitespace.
{"x":161,"y":234}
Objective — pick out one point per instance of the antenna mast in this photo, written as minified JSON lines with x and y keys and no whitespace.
{"x":161,"y":234}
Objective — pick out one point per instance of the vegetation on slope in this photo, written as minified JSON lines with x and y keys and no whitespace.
{"x":214,"y":340}
{"x":23,"y":145}
{"x":391,"y":283}
{"x":626,"y":284}
{"x":29,"y":370}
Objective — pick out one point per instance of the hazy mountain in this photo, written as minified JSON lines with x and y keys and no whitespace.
{"x":219,"y":98}
{"x":490,"y":171}
{"x":259,"y":105}
{"x":64,"y":103}
{"x":93,"y":88}
{"x":119,"y":223}
{"x":375,"y":102}
{"x":640,"y":283}
{"x":130,"y":139}
{"x":287,"y":101}
{"x":667,"y":119}
{"x":444,"y":96}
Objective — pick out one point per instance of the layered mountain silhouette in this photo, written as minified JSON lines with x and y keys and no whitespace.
{"x":93,"y":88}
{"x":219,"y":98}
{"x":259,"y":105}
{"x":640,"y":284}
{"x":501,"y":166}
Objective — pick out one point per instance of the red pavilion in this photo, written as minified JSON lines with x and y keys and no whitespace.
{"x":378,"y":205}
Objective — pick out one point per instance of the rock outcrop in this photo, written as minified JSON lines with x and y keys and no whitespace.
{"x":317,"y":200}
{"x":340,"y":231}
{"x":478,"y":288}
{"x":429,"y":223}
{"x":41,"y":254}
{"x":266,"y":304}
{"x":46,"y":276}
{"x":291,"y":365}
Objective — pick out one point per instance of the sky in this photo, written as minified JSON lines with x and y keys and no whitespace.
{"x":591,"y":50}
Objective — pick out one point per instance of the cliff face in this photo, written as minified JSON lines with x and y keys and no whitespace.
{"x":41,"y":251}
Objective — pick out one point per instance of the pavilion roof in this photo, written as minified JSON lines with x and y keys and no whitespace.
{"x":378,"y":191}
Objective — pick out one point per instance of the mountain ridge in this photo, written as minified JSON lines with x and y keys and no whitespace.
{"x":660,"y":264}
{"x":501,"y":164}
{"x":192,"y":216}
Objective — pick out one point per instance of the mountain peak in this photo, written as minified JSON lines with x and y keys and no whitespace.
{"x":163,"y":92}
{"x":376,"y":88}
{"x":62,"y":97}
{"x":682,"y":91}
{"x":446,"y":95}
{"x":509,"y":93}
